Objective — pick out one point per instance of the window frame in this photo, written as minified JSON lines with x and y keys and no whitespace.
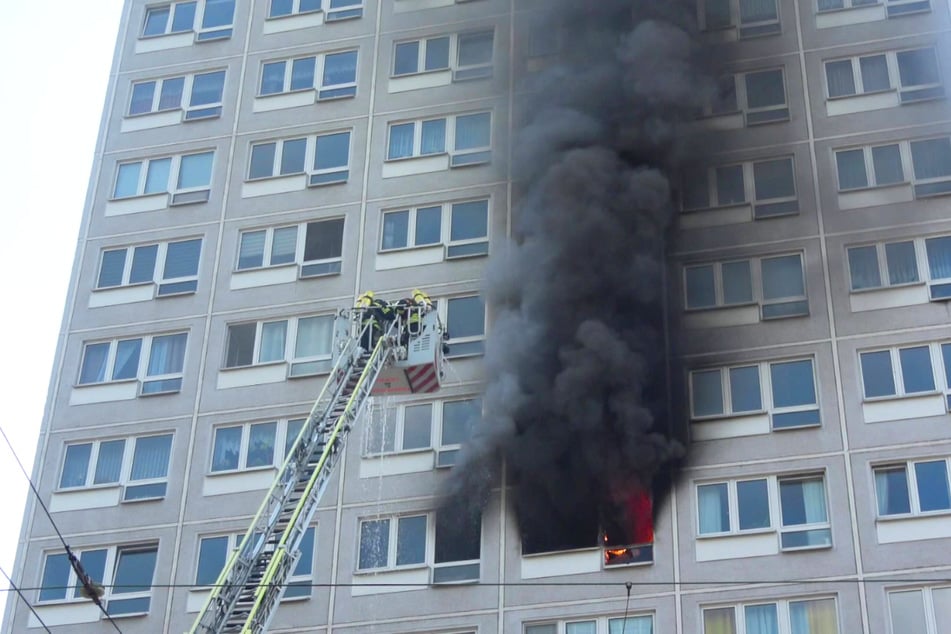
{"x":324,"y":92}
{"x":754,"y":28}
{"x":473,"y":345}
{"x":177,"y":194}
{"x":165,"y":286}
{"x":124,"y":480}
{"x":602,"y":624}
{"x":938,"y":370}
{"x":913,"y":487}
{"x":306,"y":268}
{"x":210,"y":110}
{"x":315,"y":177}
{"x":331,"y":14}
{"x":884,"y":270}
{"x":755,"y":116}
{"x":923,"y":187}
{"x":111,"y":598}
{"x":783,"y":612}
{"x":281,"y":444}
{"x":757,"y":285}
{"x":459,"y":71}
{"x":202,"y":33}
{"x":297,"y":366}
{"x":928,"y":603}
{"x":142,"y":376}
{"x":911,"y":93}
{"x":766,"y":393}
{"x":453,"y":249}
{"x":457,"y":158}
{"x":763,"y":208}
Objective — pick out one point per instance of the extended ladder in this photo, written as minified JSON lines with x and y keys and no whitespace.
{"x":250,"y":586}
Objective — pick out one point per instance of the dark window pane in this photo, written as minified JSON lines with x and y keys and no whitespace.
{"x":142,"y":95}
{"x":181,"y":259}
{"x":932,"y":479}
{"x":155,"y":21}
{"x":302,"y":73}
{"x":706,"y":393}
{"x":111,"y":268}
{"x":75,"y":465}
{"x":143,"y":264}
{"x":458,"y":536}
{"x":324,"y":240}
{"x":701,"y":289}
{"x":395,"y":229}
{"x":695,"y":189}
{"x":931,"y":158}
{"x":877,"y":374}
{"x":737,"y":282}
{"x":918,"y":67}
{"x":458,"y":420}
{"x":212,"y":553}
{"x":839,"y":78}
{"x":902,"y":262}
{"x":472,"y":131}
{"x":891,"y":491}
{"x":753,"y":501}
{"x":406,"y":59}
{"x":333,"y":151}
{"x":207,"y":88}
{"x":730,"y":187}
{"x":745,"y":393}
{"x":94,"y":563}
{"x":151,"y":456}
{"x":305,"y":564}
{"x":758,"y":11}
{"x":55,"y":577}
{"x":411,"y":540}
{"x":292,"y":156}
{"x":262,"y":160}
{"x":281,"y":7}
{"x":437,"y":53}
{"x":272,"y":78}
{"x":134,"y":570}
{"x":793,"y":383}
{"x":716,"y":13}
{"x":217,"y":13}
{"x":782,"y":277}
{"x":466,"y":317}
{"x":428,"y":225}
{"x":874,"y":73}
{"x":886,"y":160}
{"x":469,"y":220}
{"x":340,"y":68}
{"x":916,"y":371}
{"x":765,"y":89}
{"x":475,"y":48}
{"x":93,"y":368}
{"x":184,"y":19}
{"x":240,"y":345}
{"x":126,"y":365}
{"x":803,"y":501}
{"x":171,"y":95}
{"x":227,"y":449}
{"x":939,"y":257}
{"x":774,"y":179}
{"x":863,"y":268}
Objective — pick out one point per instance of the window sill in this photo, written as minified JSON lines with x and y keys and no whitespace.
{"x":88,"y":489}
{"x":401,"y":159}
{"x":924,"y":515}
{"x":383,"y":571}
{"x":267,"y":267}
{"x":80,"y":386}
{"x":252,"y":375}
{"x":749,"y":533}
{"x":239,"y":368}
{"x":291,"y":16}
{"x":233,"y":472}
{"x":905,"y":407}
{"x":912,"y":528}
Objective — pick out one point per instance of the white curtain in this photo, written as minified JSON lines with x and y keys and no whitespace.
{"x":472,"y":131}
{"x":284,"y":245}
{"x":902,"y":265}
{"x":127,"y":359}
{"x":814,"y":501}
{"x":713,"y":502}
{"x":583,"y":627}
{"x":150,"y":459}
{"x":273,"y":341}
{"x":401,"y":140}
{"x":631,"y":625}
{"x":813,"y":617}
{"x":939,"y":257}
{"x":227,"y":448}
{"x":761,"y":619}
{"x":314,"y":337}
{"x":167,"y":355}
{"x":109,"y":461}
{"x":863,"y":267}
{"x":433,"y":137}
{"x":840,"y":79}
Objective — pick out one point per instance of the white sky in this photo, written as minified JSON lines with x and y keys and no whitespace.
{"x":55,"y":58}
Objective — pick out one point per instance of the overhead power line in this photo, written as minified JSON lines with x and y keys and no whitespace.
{"x":14,"y":587}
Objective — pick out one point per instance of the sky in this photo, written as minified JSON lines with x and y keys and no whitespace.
{"x":55,"y":58}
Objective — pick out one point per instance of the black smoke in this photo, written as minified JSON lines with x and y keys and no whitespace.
{"x":576,"y":363}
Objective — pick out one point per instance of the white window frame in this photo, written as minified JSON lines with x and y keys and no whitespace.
{"x":942,"y":383}
{"x":394,"y":418}
{"x":762,"y":207}
{"x":767,"y":398}
{"x":756,"y":116}
{"x":756,"y":283}
{"x":442,"y":308}
{"x":141,"y":376}
{"x":784,"y":622}
{"x":282,"y":427}
{"x":928,"y":605}
{"x":457,"y":158}
{"x":324,"y":92}
{"x":602,"y":623}
{"x":908,"y":94}
{"x":306,"y":268}
{"x":459,"y":72}
{"x":920,"y":185}
{"x":202,"y":33}
{"x":179,"y":195}
{"x":191,"y":113}
{"x":753,"y":29}
{"x":884,"y":275}
{"x":125,"y":480}
{"x":454,"y":249}
{"x":166,"y":286}
{"x":315,"y":177}
{"x":331,"y":14}
{"x":911,"y":479}
{"x":109,"y":595}
{"x":290,"y":343}
{"x":776,"y":525}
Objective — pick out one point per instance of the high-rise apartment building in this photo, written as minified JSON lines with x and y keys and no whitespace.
{"x":263,"y":161}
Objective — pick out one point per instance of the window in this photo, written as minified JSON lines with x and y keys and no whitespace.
{"x":898,"y":8}
{"x":334,"y":9}
{"x":317,"y":247}
{"x":769,"y":185}
{"x":472,"y":55}
{"x":332,"y":75}
{"x":252,"y":445}
{"x":126,"y":574}
{"x":325,"y":158}
{"x":302,"y":341}
{"x":760,"y":95}
{"x":914,"y":72}
{"x":928,"y":161}
{"x":156,"y":361}
{"x":776,"y":283}
{"x":462,"y":226}
{"x":187,"y":178}
{"x":465,"y":320}
{"x":913,"y":488}
{"x":217,"y":17}
{"x":905,"y":371}
{"x":629,"y":625}
{"x":924,"y":610}
{"x":448,"y":543}
{"x":802,"y":616}
{"x":786,"y":390}
{"x":139,"y":465}
{"x":173,"y":266}
{"x":213,"y":552}
{"x":199,"y":95}
{"x":904,"y":262}
{"x":441,"y":425}
{"x":753,"y":17}
{"x":795,"y":504}
{"x":468,"y":135}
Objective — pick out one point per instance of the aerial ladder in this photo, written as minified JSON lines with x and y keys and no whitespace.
{"x":402,"y":356}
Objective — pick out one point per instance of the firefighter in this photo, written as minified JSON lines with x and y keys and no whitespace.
{"x":376,"y":316}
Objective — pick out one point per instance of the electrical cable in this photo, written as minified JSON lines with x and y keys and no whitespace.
{"x":14,"y":587}
{"x":90,"y":589}
{"x":627,"y":606}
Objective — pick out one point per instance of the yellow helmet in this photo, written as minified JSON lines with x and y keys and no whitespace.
{"x":418,"y":293}
{"x":367,"y":294}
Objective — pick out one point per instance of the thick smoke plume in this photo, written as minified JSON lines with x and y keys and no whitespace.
{"x":575,"y":400}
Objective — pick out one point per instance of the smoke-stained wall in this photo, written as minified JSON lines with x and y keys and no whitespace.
{"x":576,"y":362}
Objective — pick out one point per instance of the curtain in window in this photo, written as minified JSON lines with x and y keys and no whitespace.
{"x":401,"y":140}
{"x":931,"y":158}
{"x":757,"y":11}
{"x":340,"y":68}
{"x":261,"y":444}
{"x":472,"y":131}
{"x":181,"y":259}
{"x":719,"y":621}
{"x":314,"y":336}
{"x":840,"y":79}
{"x":284,"y":245}
{"x":942,"y":608}
{"x":874,"y":73}
{"x":273,"y":341}
{"x":374,"y":544}
{"x":908,"y":612}
{"x":168,"y":354}
{"x":170,"y":96}
{"x":939,"y":257}
{"x":814,"y":501}
{"x":251,"y":251}
{"x":94,"y":363}
{"x":109,"y":462}
{"x":891,"y":491}
{"x":714,"y":514}
{"x":227,"y":449}
{"x":127,"y":359}
{"x":433,"y":137}
{"x":75,"y":465}
{"x":902,"y":264}
{"x":761,"y":619}
{"x":584,"y":627}
{"x":813,"y":617}
{"x":631,"y":625}
{"x":150,"y":459}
